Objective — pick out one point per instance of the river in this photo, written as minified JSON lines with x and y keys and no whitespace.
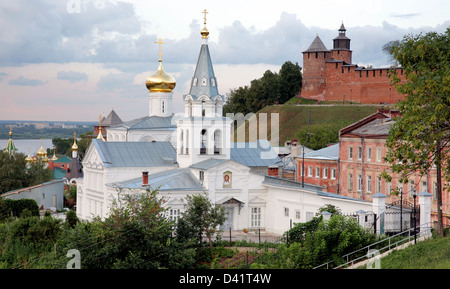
{"x":28,"y":146}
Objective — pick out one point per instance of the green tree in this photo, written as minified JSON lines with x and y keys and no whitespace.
{"x":202,"y":216}
{"x":319,"y":136}
{"x":271,"y":88}
{"x":420,"y":138}
{"x":14,"y":173}
{"x":290,"y":81}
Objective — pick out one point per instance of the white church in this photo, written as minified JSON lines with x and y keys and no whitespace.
{"x":194,"y":154}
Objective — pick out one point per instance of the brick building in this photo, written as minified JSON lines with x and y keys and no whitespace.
{"x":330,"y":75}
{"x":321,"y":168}
{"x":353,"y":167}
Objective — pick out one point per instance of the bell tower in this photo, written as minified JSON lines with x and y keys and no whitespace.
{"x":203,"y":133}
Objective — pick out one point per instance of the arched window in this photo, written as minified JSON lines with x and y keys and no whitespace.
{"x":218,"y":142}
{"x":181,"y":142}
{"x":203,"y":142}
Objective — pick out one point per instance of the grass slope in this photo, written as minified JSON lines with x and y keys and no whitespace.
{"x":294,"y":117}
{"x":428,"y":254}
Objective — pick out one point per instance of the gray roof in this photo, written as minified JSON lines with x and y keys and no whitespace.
{"x":317,"y":46}
{"x":171,"y":180}
{"x":206,"y":164}
{"x":328,"y":153}
{"x":147,"y":122}
{"x":377,"y":127}
{"x":255,"y":154}
{"x":204,"y":69}
{"x":111,"y":119}
{"x":135,"y":154}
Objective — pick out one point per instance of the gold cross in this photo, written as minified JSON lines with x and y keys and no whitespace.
{"x":160,"y":42}
{"x":205,"y":12}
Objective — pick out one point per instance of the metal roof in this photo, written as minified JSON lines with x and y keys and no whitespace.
{"x":147,"y":122}
{"x":136,"y":154}
{"x":255,"y":154}
{"x":171,"y":180}
{"x":206,"y":164}
{"x":328,"y":153}
{"x":204,"y":70}
{"x":377,"y":127}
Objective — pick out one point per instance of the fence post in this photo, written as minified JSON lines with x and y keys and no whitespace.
{"x":362,"y":218}
{"x":326,"y":216}
{"x":379,"y":207}
{"x":425,"y":211}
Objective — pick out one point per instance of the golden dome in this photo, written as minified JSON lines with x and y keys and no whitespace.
{"x":29,"y":159}
{"x":204,"y":32}
{"x":41,"y":152}
{"x":160,"y":81}
{"x":74,"y":147}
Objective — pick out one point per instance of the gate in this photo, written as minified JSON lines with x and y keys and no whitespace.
{"x":401,"y":216}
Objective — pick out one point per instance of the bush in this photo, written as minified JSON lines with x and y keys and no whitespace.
{"x":18,"y":206}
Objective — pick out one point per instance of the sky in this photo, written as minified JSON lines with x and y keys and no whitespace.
{"x":74,"y":60}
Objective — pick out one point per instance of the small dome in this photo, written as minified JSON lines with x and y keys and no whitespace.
{"x":41,"y":152}
{"x":160,"y":81}
{"x":204,"y":32}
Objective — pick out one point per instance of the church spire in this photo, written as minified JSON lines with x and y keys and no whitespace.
{"x":204,"y":82}
{"x":10,"y":147}
{"x":99,"y":136}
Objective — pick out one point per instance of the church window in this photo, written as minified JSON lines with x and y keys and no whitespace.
{"x":256,"y":217}
{"x":203,"y":142}
{"x":297,"y":214}
{"x":204,"y":82}
{"x":369,"y":184}
{"x":163,"y":107}
{"x":213,"y":82}
{"x":286,"y":212}
{"x":317,"y":172}
{"x":350,"y":182}
{"x":201,"y":176}
{"x":195,"y":82}
{"x":217,"y":142}
{"x":174,"y":214}
{"x":317,"y":54}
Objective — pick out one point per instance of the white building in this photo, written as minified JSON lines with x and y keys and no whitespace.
{"x":197,"y":155}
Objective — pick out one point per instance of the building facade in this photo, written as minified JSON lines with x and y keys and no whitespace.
{"x":359,"y":160}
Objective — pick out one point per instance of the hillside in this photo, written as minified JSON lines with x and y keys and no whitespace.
{"x":429,"y":254}
{"x":294,"y":117}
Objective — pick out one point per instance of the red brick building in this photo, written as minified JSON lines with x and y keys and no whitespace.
{"x":353,"y":167}
{"x":321,"y":168}
{"x":330,"y":75}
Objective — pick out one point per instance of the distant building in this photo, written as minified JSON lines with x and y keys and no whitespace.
{"x":49,"y":195}
{"x":330,"y":75}
{"x":111,"y":120}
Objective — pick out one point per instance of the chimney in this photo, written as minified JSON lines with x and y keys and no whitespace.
{"x":273,"y":171}
{"x":145,"y":179}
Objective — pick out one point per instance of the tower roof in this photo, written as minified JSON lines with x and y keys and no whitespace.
{"x":111,"y":119}
{"x":204,"y":81}
{"x":10,"y":147}
{"x":317,"y":46}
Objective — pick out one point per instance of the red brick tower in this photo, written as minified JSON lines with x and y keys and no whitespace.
{"x":341,"y":47}
{"x":314,"y":70}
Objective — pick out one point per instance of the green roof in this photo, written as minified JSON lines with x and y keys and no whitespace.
{"x":59,"y":173}
{"x":63,"y":159}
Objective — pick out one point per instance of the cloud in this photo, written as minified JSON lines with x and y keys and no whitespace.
{"x":3,"y":75}
{"x":72,"y":76}
{"x":22,"y":81}
{"x":405,"y":15}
